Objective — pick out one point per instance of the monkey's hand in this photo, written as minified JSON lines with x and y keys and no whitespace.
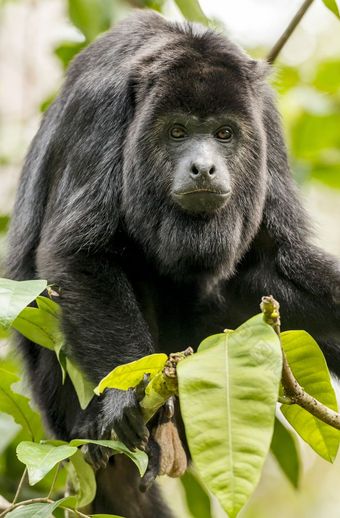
{"x":118,"y":416}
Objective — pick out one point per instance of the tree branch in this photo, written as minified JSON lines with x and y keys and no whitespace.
{"x":292,"y":389}
{"x":275,"y":51}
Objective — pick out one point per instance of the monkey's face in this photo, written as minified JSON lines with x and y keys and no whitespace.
{"x":194,"y":178}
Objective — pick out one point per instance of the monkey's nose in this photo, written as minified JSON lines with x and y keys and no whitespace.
{"x":201,"y":170}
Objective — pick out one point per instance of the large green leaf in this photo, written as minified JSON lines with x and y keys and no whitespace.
{"x":83,"y":387}
{"x":15,"y":296}
{"x":310,"y":369}
{"x":197,"y":498}
{"x":130,"y":374}
{"x":192,"y":11}
{"x":284,"y":449}
{"x":40,"y":459}
{"x":18,"y":406}
{"x":139,"y":457}
{"x":38,"y":510}
{"x":228,"y":394}
{"x":83,"y":479}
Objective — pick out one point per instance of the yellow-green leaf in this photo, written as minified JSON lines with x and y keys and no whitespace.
{"x":310,"y":369}
{"x":228,"y":393}
{"x":285,"y":449}
{"x":130,"y":374}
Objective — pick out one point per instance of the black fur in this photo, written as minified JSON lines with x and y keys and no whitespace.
{"x":94,"y":214}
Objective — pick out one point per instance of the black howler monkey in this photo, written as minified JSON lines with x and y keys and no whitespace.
{"x":157,"y":195}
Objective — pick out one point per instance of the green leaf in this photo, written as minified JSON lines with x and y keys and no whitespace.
{"x":83,"y":387}
{"x":105,"y":516}
{"x":228,"y":394}
{"x":38,"y":510}
{"x":192,"y":11}
{"x":197,"y":499}
{"x":18,"y":406}
{"x":91,"y":16}
{"x":130,"y":374}
{"x":332,"y":6}
{"x":327,"y":76}
{"x":310,"y":369}
{"x":15,"y":296}
{"x":67,"y":51}
{"x":285,"y":450}
{"x":139,"y":457}
{"x":82,"y":479}
{"x":39,"y":325}
{"x":41,"y":458}
{"x":4,"y":222}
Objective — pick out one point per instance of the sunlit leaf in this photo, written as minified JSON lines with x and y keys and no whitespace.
{"x":130,"y":374}
{"x":40,"y":459}
{"x":310,"y":369}
{"x":15,"y":296}
{"x":284,"y":448}
{"x":228,"y":394}
{"x":18,"y":406}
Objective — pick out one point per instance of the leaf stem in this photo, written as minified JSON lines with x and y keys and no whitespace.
{"x":292,"y":389}
{"x":22,"y":480}
{"x":54,"y":481}
{"x":275,"y":51}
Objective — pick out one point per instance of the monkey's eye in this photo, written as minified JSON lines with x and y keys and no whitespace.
{"x":178,"y":132}
{"x":224,"y":134}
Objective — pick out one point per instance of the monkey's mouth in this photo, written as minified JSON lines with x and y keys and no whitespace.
{"x":201,"y":200}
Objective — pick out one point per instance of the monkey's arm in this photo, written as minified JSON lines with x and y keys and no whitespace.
{"x":103,"y":328}
{"x":306,"y":282}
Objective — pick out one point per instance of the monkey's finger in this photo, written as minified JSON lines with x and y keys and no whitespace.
{"x":135,"y":419}
{"x":96,"y":455}
{"x":126,"y":435}
{"x":153,"y":451}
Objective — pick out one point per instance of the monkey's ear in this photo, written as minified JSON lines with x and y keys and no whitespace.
{"x":257,"y":70}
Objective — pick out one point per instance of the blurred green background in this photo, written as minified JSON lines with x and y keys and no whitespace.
{"x":37,"y":40}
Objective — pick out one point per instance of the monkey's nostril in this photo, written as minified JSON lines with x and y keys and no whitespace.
{"x":194,"y":170}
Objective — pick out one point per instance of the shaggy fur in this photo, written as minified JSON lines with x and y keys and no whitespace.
{"x":94,"y":215}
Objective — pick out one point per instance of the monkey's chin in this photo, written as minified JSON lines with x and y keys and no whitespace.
{"x":201,"y":201}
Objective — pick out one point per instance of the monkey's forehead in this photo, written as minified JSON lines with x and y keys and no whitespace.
{"x":202,"y":90}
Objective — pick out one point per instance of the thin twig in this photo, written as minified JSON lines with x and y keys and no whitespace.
{"x":22,"y":480}
{"x":292,"y":389}
{"x":26,"y":502}
{"x":275,"y":51}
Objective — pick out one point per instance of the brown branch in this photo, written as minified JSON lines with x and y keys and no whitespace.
{"x":275,"y":51}
{"x":292,"y":389}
